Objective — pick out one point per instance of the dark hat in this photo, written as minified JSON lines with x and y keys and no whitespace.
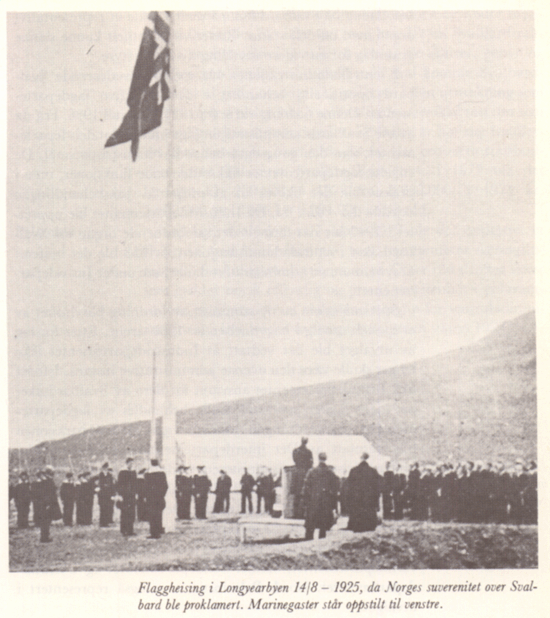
{"x":322,"y":456}
{"x":304,"y":440}
{"x":364,"y":456}
{"x":69,"y":475}
{"x":142,"y":471}
{"x":105,"y":465}
{"x":128,"y":459}
{"x":200,"y":467}
{"x":154,"y":462}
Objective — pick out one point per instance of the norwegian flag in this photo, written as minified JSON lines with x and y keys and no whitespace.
{"x":150,"y":85}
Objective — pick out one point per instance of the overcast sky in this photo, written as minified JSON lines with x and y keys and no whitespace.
{"x":354,"y":191}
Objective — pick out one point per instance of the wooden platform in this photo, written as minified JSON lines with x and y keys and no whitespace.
{"x":249,"y":522}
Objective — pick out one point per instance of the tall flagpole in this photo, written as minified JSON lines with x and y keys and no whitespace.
{"x":153,"y":441}
{"x":169,"y":418}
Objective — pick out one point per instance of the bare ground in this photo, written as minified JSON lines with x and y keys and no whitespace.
{"x":214,"y":545}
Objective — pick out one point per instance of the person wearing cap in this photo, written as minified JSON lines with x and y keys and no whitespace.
{"x":530,"y":495}
{"x":22,"y":499}
{"x":87,"y":493}
{"x":78,"y":500}
{"x":201,"y":487}
{"x":49,"y":507}
{"x":414,"y":498}
{"x":364,"y":496}
{"x":105,"y":493}
{"x":518,"y":482}
{"x":67,"y":493}
{"x":127,"y":488}
{"x":184,"y":492}
{"x":265,"y":490}
{"x":303,"y":461}
{"x":155,"y":486}
{"x":222,"y":491}
{"x":247,"y":485}
{"x":320,"y":498}
{"x":36,"y":484}
{"x":141,"y":508}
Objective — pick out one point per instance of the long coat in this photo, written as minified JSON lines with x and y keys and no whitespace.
{"x":363,"y":498}
{"x":320,"y":497}
{"x":155,"y":487}
{"x":47,"y":498}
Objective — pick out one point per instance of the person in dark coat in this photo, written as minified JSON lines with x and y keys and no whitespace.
{"x":184,"y":492}
{"x":530,"y":495}
{"x":105,"y":493}
{"x":49,"y":506}
{"x":500,"y":505}
{"x":427,"y":495}
{"x":86,"y":495}
{"x":388,"y":481}
{"x":320,"y":498}
{"x":127,"y":488}
{"x":448,"y":492}
{"x":35,"y":493}
{"x":414,"y":498}
{"x":111,"y":509}
{"x":80,"y":499}
{"x":265,"y":490}
{"x":480,"y":485}
{"x":141,"y":511}
{"x":303,"y":461}
{"x":364,"y":496}
{"x":399,"y":492}
{"x":518,"y":483}
{"x":247,"y":485}
{"x":155,"y":486}
{"x":201,"y":488}
{"x":67,"y":493}
{"x":22,"y":499}
{"x":223,"y":493}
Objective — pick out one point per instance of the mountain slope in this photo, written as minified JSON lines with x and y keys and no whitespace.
{"x":478,"y":402}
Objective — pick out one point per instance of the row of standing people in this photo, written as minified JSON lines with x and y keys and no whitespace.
{"x":130,"y":493}
{"x":447,"y":492}
{"x":463,"y":492}
{"x":197,"y":487}
{"x":135,"y":495}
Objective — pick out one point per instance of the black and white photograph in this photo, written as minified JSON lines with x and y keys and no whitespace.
{"x":270,"y":285}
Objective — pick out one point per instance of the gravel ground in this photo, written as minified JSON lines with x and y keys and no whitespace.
{"x":214,"y":545}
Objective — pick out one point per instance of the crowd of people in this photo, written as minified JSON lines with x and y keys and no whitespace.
{"x":198,"y":486}
{"x":139,"y":495}
{"x":465,"y":492}
{"x":468,"y":492}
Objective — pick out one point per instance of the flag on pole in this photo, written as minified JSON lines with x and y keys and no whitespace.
{"x":150,"y":85}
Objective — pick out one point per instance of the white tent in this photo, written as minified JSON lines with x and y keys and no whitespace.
{"x":233,"y":452}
